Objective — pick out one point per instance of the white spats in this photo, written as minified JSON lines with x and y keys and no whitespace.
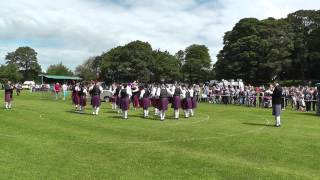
{"x":8,"y":105}
{"x":278,"y":121}
{"x":145,"y":113}
{"x":95,"y":110}
{"x":162,"y":115}
{"x":176,"y":114}
{"x":114,"y":106}
{"x":187,"y":113}
{"x":156,"y":111}
{"x":125,"y":114}
{"x":191,"y":112}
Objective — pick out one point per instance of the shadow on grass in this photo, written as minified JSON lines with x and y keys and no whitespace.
{"x":77,"y":112}
{"x":258,"y":124}
{"x":150,"y":118}
{"x":135,"y":116}
{"x":307,"y":114}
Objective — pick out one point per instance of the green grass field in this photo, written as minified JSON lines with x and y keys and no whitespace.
{"x":44,"y":139}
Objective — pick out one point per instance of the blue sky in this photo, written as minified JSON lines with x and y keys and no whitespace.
{"x":73,"y":30}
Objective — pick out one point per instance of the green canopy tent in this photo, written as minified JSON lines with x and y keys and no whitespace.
{"x":56,"y":78}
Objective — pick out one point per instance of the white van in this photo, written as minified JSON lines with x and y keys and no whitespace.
{"x":28,"y":84}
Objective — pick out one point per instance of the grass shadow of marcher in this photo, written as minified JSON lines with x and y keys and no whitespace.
{"x":258,"y":124}
{"x":307,"y":114}
{"x":77,"y":112}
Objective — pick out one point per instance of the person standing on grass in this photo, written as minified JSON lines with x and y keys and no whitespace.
{"x":193,"y":100}
{"x":65,"y":91}
{"x":75,"y":95}
{"x":125,"y":95}
{"x":8,"y":92}
{"x":95,"y":92}
{"x":18,"y":88}
{"x":83,"y":97}
{"x":57,"y":89}
{"x":163,"y":93}
{"x":155,"y":99}
{"x":145,"y":95}
{"x":135,"y":95}
{"x":276,"y":103}
{"x":113,"y":98}
{"x":314,"y":98}
{"x":186,"y":101}
{"x":176,"y":101}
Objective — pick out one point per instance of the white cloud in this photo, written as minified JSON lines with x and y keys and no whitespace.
{"x":73,"y":30}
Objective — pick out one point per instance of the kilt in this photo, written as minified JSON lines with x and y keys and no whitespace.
{"x":194,"y":103}
{"x":95,"y":101}
{"x":75,"y":98}
{"x":276,"y":109}
{"x":113,"y":99}
{"x":145,"y":103}
{"x":118,"y":100}
{"x":163,"y":104}
{"x":136,"y":101}
{"x":176,"y":102}
{"x":155,"y":102}
{"x":187,"y":103}
{"x":7,"y":97}
{"x":124,"y":103}
{"x":83,"y":101}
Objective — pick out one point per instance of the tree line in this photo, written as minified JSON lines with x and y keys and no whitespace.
{"x":138,"y":61}
{"x":257,"y":51}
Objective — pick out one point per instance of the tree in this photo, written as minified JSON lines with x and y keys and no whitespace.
{"x":305,"y":24}
{"x":127,"y":63}
{"x":59,"y":69}
{"x":197,"y":65}
{"x":256,"y":51}
{"x":10,"y":72}
{"x":89,"y":69}
{"x":165,"y":67}
{"x":25,"y":58}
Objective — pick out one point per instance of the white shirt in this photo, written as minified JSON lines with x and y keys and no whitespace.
{"x":91,"y":87}
{"x":183,"y":93}
{"x":191,"y":93}
{"x":64,"y":87}
{"x":153,"y":91}
{"x":85,"y":91}
{"x":129,"y":92}
{"x":159,"y":91}
{"x":142,"y":93}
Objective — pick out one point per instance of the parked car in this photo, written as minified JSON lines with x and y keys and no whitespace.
{"x":28,"y":84}
{"x":107,"y":93}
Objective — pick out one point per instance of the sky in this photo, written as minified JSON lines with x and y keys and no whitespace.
{"x":71,"y":31}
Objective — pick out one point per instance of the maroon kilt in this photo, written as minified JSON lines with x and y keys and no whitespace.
{"x":176,"y":102}
{"x":136,"y":101}
{"x":118,"y":101}
{"x":194,"y":103}
{"x":75,"y":98}
{"x":163,"y":104}
{"x":145,"y":103}
{"x":83,"y":101}
{"x":95,"y":101}
{"x":124,"y":103}
{"x":187,"y":103}
{"x":7,"y":97}
{"x":113,"y":99}
{"x":155,"y":102}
